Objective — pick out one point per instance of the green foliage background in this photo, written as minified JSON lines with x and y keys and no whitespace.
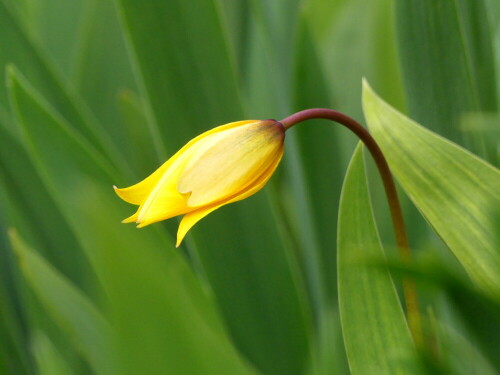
{"x":303,"y":277}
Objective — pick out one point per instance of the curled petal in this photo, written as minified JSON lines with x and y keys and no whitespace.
{"x":227,"y":162}
{"x":191,"y":218}
{"x":137,"y":194}
{"x":220,"y":166}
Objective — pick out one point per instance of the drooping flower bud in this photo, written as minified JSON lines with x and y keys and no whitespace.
{"x":220,"y":166}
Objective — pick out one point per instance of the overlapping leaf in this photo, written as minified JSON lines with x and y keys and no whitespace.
{"x":455,"y":191}
{"x":188,"y":80}
{"x":376,"y":335}
{"x":80,"y":182}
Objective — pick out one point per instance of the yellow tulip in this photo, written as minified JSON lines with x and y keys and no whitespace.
{"x":220,"y":166}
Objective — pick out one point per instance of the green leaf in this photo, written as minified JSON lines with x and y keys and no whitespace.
{"x":57,"y":34}
{"x":447,"y":61}
{"x":164,"y":323}
{"x":368,"y":48}
{"x":40,"y":217}
{"x":49,"y":360}
{"x":86,"y":329}
{"x":143,"y":276}
{"x":187,"y":77}
{"x":304,"y":146}
{"x":479,"y":312}
{"x":376,"y":335}
{"x":19,"y":49}
{"x":316,"y":189}
{"x":14,"y":325}
{"x":134,"y":120}
{"x":100,"y":72}
{"x":193,"y":90}
{"x":455,"y":191}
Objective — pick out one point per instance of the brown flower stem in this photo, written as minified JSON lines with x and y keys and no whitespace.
{"x":409,"y":288}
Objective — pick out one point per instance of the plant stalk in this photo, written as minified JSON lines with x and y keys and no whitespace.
{"x":409,"y":288}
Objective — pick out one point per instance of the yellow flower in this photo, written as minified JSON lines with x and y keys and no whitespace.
{"x":220,"y":166}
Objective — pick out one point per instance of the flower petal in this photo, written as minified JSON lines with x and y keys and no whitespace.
{"x":136,"y":194}
{"x":131,"y":219}
{"x":167,"y":203}
{"x":191,"y":218}
{"x":225,"y":163}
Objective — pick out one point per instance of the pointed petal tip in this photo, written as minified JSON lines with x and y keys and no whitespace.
{"x":179,"y":240}
{"x":130,"y":219}
{"x":142,"y":224}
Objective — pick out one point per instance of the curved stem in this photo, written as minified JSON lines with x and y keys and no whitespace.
{"x":409,"y":288}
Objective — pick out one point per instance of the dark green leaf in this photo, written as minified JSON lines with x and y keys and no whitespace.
{"x":447,"y":61}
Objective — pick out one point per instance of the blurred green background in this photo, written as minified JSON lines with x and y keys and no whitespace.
{"x":98,"y":93}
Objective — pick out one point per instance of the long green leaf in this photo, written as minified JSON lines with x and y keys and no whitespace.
{"x":14,"y":352}
{"x":317,"y":142}
{"x":455,"y":191}
{"x":49,"y":360}
{"x":251,"y":275}
{"x":18,"y":48}
{"x":447,"y":61}
{"x":86,"y":329}
{"x":125,"y":258}
{"x":318,"y":149}
{"x":192,"y":90}
{"x":163,"y":322}
{"x":376,"y":335}
{"x":134,"y":120}
{"x":39,"y":216}
{"x":100,"y":72}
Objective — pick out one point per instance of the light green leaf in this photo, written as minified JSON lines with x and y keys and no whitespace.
{"x":49,"y":360}
{"x":376,"y":335}
{"x":456,"y":191}
{"x":20,"y":49}
{"x":86,"y":329}
{"x":142,"y":274}
{"x":163,"y":321}
{"x":14,"y":327}
{"x":38,"y":225}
